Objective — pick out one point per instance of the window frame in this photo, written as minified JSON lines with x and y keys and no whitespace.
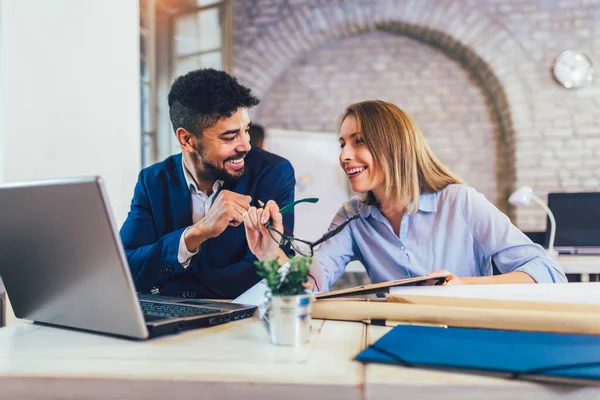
{"x":157,"y":141}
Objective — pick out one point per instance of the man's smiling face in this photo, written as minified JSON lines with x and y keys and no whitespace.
{"x":221,"y":149}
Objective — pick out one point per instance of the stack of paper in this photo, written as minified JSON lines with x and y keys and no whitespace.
{"x":580,"y":293}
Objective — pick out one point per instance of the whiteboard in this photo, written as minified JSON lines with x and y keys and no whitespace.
{"x":314,"y":156}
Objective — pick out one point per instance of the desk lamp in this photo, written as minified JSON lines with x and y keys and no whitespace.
{"x":522,"y":197}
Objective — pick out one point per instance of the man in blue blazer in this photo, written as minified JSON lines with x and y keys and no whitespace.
{"x":183,"y":235}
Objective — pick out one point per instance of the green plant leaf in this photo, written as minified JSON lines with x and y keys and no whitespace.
{"x":293,"y":283}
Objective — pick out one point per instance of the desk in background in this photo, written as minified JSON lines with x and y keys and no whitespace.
{"x":583,"y":265}
{"x":232,"y":361}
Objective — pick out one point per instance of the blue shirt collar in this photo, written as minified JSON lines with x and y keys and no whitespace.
{"x":427,"y":203}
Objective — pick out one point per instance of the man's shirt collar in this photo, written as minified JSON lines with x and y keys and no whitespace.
{"x":191,"y":183}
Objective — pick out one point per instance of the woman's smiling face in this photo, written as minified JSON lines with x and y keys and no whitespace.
{"x":356,"y":159}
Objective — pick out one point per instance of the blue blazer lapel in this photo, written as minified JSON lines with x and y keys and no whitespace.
{"x":179,"y":193}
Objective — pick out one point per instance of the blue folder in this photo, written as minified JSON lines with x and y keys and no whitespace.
{"x":519,"y":355}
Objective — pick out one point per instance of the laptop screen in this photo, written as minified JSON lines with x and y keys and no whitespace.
{"x":577,"y":219}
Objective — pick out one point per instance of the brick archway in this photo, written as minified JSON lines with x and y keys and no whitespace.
{"x":469,"y":37}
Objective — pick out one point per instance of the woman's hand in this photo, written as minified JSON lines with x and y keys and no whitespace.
{"x":260,"y":241}
{"x":451,"y":280}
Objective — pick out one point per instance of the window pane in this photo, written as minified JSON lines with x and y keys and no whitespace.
{"x":185,"y":65}
{"x":213,"y":59}
{"x":144,"y":71}
{"x":147,"y":150}
{"x":143,"y":45}
{"x":145,"y":94}
{"x":198,"y":32}
{"x":202,"y":3}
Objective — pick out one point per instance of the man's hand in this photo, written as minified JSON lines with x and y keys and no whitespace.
{"x":261,"y":244}
{"x":227,"y":210}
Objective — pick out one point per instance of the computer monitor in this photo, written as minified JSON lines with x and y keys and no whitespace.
{"x":577,"y":222}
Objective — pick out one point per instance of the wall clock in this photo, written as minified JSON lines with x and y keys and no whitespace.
{"x":573,"y":69}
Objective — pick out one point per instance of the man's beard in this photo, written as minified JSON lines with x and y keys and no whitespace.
{"x":213,"y":172}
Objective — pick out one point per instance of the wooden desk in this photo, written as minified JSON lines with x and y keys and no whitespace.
{"x":232,"y":361}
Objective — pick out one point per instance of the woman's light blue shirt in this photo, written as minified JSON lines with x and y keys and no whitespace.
{"x":456,"y":229}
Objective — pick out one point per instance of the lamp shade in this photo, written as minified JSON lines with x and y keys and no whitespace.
{"x":521,"y":197}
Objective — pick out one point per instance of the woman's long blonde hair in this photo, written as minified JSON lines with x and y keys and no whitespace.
{"x":400,"y":152}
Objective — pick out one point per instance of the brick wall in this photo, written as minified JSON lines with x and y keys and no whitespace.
{"x":474,"y":74}
{"x":450,"y":110}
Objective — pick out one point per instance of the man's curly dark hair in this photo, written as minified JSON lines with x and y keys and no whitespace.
{"x":199,"y":98}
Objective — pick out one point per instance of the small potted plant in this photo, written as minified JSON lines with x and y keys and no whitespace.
{"x":289,"y":304}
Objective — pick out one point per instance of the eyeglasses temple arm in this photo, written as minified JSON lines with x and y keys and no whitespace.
{"x":289,"y":207}
{"x":334,"y":231}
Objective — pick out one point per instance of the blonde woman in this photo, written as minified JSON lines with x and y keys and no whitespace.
{"x":415,"y":217}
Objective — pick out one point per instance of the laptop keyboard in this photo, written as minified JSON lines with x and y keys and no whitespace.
{"x":173,"y":310}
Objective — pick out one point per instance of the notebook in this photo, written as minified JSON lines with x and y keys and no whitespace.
{"x":385,"y":287}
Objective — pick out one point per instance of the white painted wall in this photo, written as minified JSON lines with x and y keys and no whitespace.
{"x":71,"y":92}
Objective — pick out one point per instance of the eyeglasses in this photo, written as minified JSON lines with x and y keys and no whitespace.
{"x":300,"y":246}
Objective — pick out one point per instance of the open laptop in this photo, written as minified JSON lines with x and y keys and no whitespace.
{"x":577,"y":222}
{"x":62,"y":263}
